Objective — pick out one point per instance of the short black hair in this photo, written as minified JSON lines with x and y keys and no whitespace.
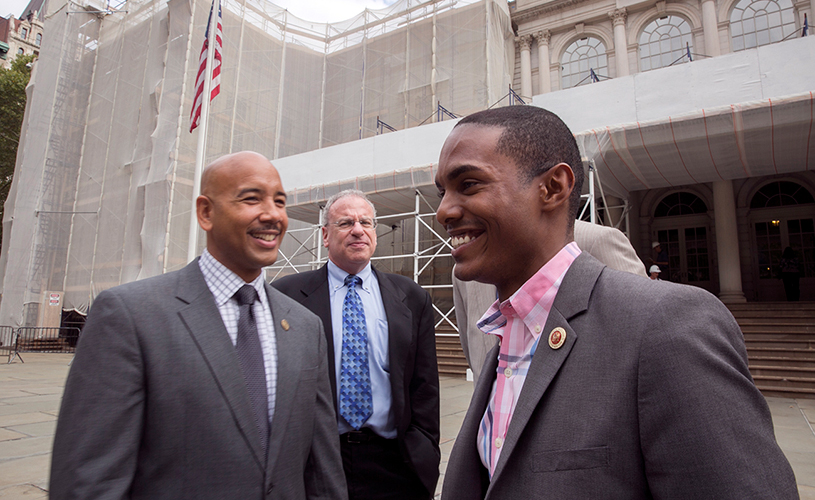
{"x":537,"y":140}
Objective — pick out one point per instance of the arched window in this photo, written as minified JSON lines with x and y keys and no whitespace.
{"x":781,"y":194}
{"x":665,"y":41}
{"x":39,"y":39}
{"x":580,"y":59}
{"x":760,"y":22}
{"x":681,"y":203}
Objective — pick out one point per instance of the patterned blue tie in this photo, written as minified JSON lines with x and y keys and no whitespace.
{"x":356,"y":402}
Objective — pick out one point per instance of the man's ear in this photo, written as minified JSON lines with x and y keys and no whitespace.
{"x":325,"y":236}
{"x":204,"y":209}
{"x":556,"y":186}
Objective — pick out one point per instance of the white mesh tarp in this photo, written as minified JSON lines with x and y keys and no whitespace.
{"x":103,"y":186}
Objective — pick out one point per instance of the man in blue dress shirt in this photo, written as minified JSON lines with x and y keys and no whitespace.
{"x":382,"y":358}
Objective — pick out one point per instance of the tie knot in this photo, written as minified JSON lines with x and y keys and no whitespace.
{"x":352,"y":280}
{"x":246,"y":295}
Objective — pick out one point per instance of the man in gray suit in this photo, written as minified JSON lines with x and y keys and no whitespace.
{"x":605,"y":385}
{"x":472,"y":299}
{"x":204,"y":383}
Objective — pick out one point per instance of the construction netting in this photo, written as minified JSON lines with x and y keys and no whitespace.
{"x":103,"y":184}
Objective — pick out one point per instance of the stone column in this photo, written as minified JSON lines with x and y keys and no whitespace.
{"x":727,"y":243}
{"x":525,"y":41}
{"x":544,"y":78}
{"x":620,"y":45}
{"x":710,"y":28}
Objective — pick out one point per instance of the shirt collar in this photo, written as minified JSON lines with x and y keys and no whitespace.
{"x":534,"y":298}
{"x":336,"y":276}
{"x":222,"y":281}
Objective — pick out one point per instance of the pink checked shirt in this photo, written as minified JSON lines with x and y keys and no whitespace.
{"x":518,"y":322}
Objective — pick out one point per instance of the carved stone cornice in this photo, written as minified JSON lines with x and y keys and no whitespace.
{"x":524,"y":41}
{"x":540,"y":10}
{"x":618,"y":16}
{"x":542,"y":37}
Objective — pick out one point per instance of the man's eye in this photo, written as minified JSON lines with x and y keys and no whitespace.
{"x":345,"y":224}
{"x":366,"y":223}
{"x":441,"y":194}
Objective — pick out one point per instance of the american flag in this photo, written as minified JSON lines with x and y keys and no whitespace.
{"x":195,"y":115}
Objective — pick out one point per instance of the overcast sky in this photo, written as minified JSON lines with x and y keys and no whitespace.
{"x":311,"y":10}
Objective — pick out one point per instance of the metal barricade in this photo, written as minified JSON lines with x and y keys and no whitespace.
{"x":7,"y":341}
{"x":44,"y":340}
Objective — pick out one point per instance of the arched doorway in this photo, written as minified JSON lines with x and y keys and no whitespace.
{"x":682,"y":226}
{"x":782,"y":214}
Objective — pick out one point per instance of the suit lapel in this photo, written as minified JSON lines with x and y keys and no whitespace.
{"x":289,"y":361}
{"x":572,"y":299}
{"x":204,"y":324}
{"x":399,"y":338}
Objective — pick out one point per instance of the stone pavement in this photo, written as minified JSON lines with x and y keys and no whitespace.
{"x":30,"y":393}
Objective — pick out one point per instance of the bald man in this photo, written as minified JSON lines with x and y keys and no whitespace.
{"x":204,"y":383}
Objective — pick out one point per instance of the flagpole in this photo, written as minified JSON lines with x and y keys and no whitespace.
{"x":192,"y":246}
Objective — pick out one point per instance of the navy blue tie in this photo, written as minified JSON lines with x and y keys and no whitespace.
{"x":250,"y":357}
{"x":356,"y":400}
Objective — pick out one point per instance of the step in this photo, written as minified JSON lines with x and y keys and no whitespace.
{"x":781,"y":329}
{"x":797,"y":344}
{"x":784,"y":392}
{"x":803,"y":322}
{"x":452,"y":361}
{"x":783,"y":361}
{"x":782,"y":350}
{"x":771,"y":306}
{"x":786,"y":383}
{"x":783,"y":371}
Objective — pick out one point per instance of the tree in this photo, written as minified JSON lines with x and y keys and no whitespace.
{"x":12,"y":107}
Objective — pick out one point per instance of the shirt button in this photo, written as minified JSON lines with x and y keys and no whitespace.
{"x":537,"y":328}
{"x":507,"y":372}
{"x":498,"y":442}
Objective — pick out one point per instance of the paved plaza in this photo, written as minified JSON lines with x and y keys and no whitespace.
{"x":30,"y":393}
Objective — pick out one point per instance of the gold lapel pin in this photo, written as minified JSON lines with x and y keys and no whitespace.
{"x":557,"y":338}
{"x":284,"y":324}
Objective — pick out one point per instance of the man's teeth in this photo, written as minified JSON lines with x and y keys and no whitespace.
{"x":460,"y":240}
{"x":265,"y":237}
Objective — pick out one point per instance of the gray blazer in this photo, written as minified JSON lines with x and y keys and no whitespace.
{"x":155,"y":405}
{"x":649,"y":397}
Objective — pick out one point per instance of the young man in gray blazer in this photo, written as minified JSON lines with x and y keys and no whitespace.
{"x":608,"y":385}
{"x":472,"y":299}
{"x":204,"y":383}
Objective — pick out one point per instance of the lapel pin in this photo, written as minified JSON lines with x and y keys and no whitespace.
{"x":557,"y":338}
{"x":284,"y":324}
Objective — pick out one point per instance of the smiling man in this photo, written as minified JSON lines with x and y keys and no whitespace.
{"x":204,"y":383}
{"x":590,"y":393}
{"x":382,"y":354}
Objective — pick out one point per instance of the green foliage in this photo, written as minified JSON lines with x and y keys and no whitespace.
{"x":12,"y":107}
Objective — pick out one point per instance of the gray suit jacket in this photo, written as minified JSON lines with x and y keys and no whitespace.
{"x":649,"y":397}
{"x":414,"y":373}
{"x":472,"y":299}
{"x":155,"y":404}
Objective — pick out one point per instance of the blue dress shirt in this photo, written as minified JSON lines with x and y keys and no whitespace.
{"x":382,"y":421}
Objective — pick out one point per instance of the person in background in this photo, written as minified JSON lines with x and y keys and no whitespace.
{"x":790,"y":274}
{"x":654,"y":272}
{"x":382,"y":354}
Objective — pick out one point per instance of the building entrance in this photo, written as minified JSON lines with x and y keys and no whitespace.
{"x":783,"y":215}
